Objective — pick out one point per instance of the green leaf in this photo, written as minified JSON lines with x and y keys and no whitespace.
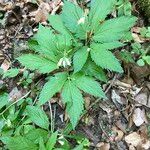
{"x":79,"y":147}
{"x":36,"y":62}
{"x":126,"y":56}
{"x":53,"y":86}
{"x":38,"y":116}
{"x":34,"y":135}
{"x":91,"y":69}
{"x":147,"y":59}
{"x":70,"y":15}
{"x":41,"y":144}
{"x":114,"y":29}
{"x":57,"y":24}
{"x":18,"y":143}
{"x":52,"y":141}
{"x":99,"y":11}
{"x":80,"y":58}
{"x":89,"y":85}
{"x":73,"y":97}
{"x":105,"y":58}
{"x":141,"y":62}
{"x":45,"y":39}
{"x":11,"y":73}
{"x":111,"y":45}
{"x":3,"y":99}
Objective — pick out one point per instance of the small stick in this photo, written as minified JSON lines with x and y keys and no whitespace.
{"x":15,"y":102}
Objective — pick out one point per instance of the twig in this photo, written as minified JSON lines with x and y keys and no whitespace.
{"x":51,"y":115}
{"x":15,"y":102}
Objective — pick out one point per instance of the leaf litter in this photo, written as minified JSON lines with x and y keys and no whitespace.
{"x":123,"y":119}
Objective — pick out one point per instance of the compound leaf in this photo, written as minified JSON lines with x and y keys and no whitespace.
{"x":89,"y":85}
{"x":105,"y":59}
{"x":99,"y":10}
{"x":36,"y":62}
{"x":73,"y":97}
{"x":80,"y":58}
{"x":53,"y":86}
{"x":91,"y":69}
{"x":70,"y":15}
{"x":114,"y":29}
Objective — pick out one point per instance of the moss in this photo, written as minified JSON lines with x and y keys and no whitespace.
{"x":145,"y":7}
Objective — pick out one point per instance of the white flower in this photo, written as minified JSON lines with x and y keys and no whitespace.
{"x":60,"y":62}
{"x":64,"y":62}
{"x":81,"y":20}
{"x":88,"y":49}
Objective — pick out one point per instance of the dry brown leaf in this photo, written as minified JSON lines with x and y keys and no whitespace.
{"x":42,"y":12}
{"x":141,"y":98}
{"x":119,"y":133}
{"x":139,"y":117}
{"x":136,"y":29}
{"x":5,"y":65}
{"x":137,"y":38}
{"x":116,"y":97}
{"x":103,"y":146}
{"x":15,"y":94}
{"x":146,"y":145}
{"x":87,"y":102}
{"x":133,"y":139}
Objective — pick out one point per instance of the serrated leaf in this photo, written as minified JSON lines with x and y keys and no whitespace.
{"x":35,"y":134}
{"x":38,"y":116}
{"x":18,"y":143}
{"x":52,"y":141}
{"x":80,"y":58}
{"x":91,"y":69}
{"x":99,"y":10}
{"x":73,"y":97}
{"x":45,"y":39}
{"x":36,"y":62}
{"x":114,"y":29}
{"x":111,"y":45}
{"x":66,"y":94}
{"x":75,"y":19}
{"x":105,"y":59}
{"x":70,"y":15}
{"x":53,"y":86}
{"x":89,"y":85}
{"x":57,"y":24}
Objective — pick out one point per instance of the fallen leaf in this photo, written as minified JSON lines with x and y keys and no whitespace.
{"x":42,"y":12}
{"x":146,"y":145}
{"x":15,"y":94}
{"x":116,"y":97}
{"x":87,"y":102}
{"x":139,"y":117}
{"x":137,"y":38}
{"x":141,"y":98}
{"x":133,"y":139}
{"x":119,"y":133}
{"x":103,"y":146}
{"x":5,"y":65}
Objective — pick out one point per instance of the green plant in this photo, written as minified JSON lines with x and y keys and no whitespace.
{"x":138,"y":55}
{"x":75,"y":50}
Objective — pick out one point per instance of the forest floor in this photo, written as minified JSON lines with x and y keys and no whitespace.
{"x":122,"y":122}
